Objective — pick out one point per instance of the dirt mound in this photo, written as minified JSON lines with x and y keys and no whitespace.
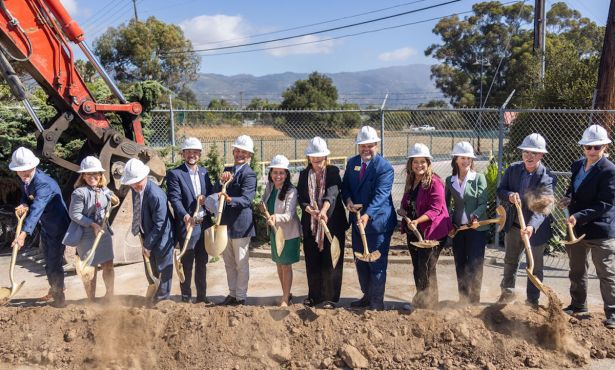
{"x":173,"y":335}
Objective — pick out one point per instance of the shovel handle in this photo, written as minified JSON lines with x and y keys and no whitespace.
{"x":414,"y":229}
{"x":525,"y":238}
{"x":326,"y":229}
{"x":221,"y":202}
{"x":190,"y":228}
{"x":361,"y":231}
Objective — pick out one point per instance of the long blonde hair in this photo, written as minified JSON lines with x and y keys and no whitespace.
{"x":102,"y":182}
{"x":410,"y":176}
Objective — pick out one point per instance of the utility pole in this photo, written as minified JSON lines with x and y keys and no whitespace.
{"x":483,"y":62}
{"x":540,"y":34}
{"x":134,"y":5}
{"x":605,"y":89}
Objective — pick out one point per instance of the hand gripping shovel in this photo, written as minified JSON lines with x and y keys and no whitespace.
{"x":366,"y":256}
{"x":82,"y":267}
{"x":335,"y":244}
{"x":573,"y":238}
{"x":500,"y":220}
{"x":278,"y":232}
{"x":216,"y":236}
{"x":177,"y":255}
{"x":7,"y":293}
{"x":422,"y":243}
{"x":528,"y":253}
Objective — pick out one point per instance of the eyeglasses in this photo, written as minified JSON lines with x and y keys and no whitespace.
{"x":528,"y":153}
{"x":594,"y":147}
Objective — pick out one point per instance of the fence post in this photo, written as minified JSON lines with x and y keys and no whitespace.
{"x":262,"y":150}
{"x":501,"y":153}
{"x":382,"y":124}
{"x":172,"y":128}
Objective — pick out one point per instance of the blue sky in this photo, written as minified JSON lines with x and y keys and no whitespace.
{"x":207,"y":22}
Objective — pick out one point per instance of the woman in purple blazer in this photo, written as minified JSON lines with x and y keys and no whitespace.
{"x":425,"y":206}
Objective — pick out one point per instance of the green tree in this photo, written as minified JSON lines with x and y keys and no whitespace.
{"x":150,"y":50}
{"x":219,"y":104}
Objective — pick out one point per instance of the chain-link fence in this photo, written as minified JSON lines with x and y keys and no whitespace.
{"x":494,"y":134}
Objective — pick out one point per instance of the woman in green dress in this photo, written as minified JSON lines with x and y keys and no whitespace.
{"x":281,"y":200}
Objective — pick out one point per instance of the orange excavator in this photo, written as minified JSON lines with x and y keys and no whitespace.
{"x":36,"y":35}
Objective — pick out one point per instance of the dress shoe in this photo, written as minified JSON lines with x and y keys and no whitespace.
{"x":573,"y":310}
{"x":186,"y":299}
{"x":229,"y":301}
{"x":239,"y":302}
{"x":202,"y":300}
{"x":363,"y":302}
{"x":58,"y":300}
{"x":610,"y":323}
{"x":506,"y":298}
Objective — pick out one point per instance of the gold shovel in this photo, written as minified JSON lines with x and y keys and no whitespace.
{"x":335,"y":244}
{"x":177,"y":255}
{"x":153,"y":281}
{"x":366,"y":256}
{"x":82,"y":267}
{"x":528,"y":253}
{"x":7,"y":293}
{"x":216,"y":236}
{"x":421,"y":243}
{"x":500,"y":220}
{"x":279,"y":233}
{"x":573,"y":238}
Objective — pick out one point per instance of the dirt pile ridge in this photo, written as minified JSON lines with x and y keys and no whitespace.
{"x":173,"y":335}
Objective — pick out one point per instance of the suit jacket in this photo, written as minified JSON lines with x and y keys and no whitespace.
{"x":511,"y":183}
{"x":157,"y":222}
{"x":44,"y":199}
{"x":373,"y":191}
{"x":472,"y":203}
{"x":238,"y":213}
{"x":593,"y":204}
{"x":285,"y":212}
{"x":182,"y":198}
{"x":82,"y":211}
{"x":337,"y":219}
{"x":430,"y":202}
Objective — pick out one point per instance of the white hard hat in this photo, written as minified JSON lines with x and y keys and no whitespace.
{"x":192,"y":143}
{"x":367,"y":135}
{"x":595,"y":135}
{"x":463,"y":149}
{"x":419,"y":150}
{"x":134,"y":171}
{"x":23,"y":159}
{"x":317,"y":147}
{"x":244,"y":142}
{"x":534,"y":143}
{"x":90,"y":164}
{"x":279,"y":161}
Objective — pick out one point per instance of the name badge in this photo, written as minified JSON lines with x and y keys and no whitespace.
{"x":357,"y":168}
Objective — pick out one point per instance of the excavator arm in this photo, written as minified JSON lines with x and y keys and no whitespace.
{"x":37,"y":35}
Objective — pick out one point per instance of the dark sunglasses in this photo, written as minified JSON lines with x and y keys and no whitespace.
{"x":594,"y":147}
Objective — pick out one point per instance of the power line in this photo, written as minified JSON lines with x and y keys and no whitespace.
{"x":321,"y":31}
{"x":337,"y":37}
{"x":101,"y":12}
{"x":312,"y":24}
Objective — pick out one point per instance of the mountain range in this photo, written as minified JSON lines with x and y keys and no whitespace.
{"x":408,"y":85}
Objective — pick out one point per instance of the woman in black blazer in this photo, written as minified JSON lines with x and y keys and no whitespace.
{"x":319,"y":198}
{"x":591,"y":203}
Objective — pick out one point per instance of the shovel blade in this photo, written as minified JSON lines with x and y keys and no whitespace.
{"x":279,"y":239}
{"x":152,"y":288}
{"x":369,"y":257}
{"x":5,"y":293}
{"x":537,"y":283}
{"x":179,"y":268}
{"x":16,"y":289}
{"x":220,"y":240}
{"x":335,"y":251}
{"x":427,"y":244}
{"x":570,"y":242}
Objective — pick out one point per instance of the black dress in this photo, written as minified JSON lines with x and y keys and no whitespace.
{"x":324,"y":282}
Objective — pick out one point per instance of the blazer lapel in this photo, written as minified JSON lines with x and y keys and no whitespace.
{"x":594,"y":171}
{"x":188,"y":180}
{"x":201,"y":173}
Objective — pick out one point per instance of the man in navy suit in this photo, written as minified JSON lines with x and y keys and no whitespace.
{"x":591,"y":202}
{"x":519,"y":179}
{"x":152,"y":220}
{"x":368,"y":180}
{"x":41,"y":196}
{"x":184,"y":184}
{"x":237,"y":215}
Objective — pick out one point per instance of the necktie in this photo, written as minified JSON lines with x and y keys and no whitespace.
{"x":136,"y":213}
{"x":363,"y":167}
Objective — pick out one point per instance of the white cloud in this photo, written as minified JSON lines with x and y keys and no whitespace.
{"x":397,"y":55}
{"x":310,"y":46}
{"x":70,"y":6}
{"x":205,"y":29}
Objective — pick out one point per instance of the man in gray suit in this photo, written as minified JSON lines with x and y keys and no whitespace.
{"x":152,"y":220}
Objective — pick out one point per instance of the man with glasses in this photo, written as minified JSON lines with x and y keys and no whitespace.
{"x":521,"y":178}
{"x":591,"y":202}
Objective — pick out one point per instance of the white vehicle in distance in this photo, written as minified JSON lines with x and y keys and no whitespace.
{"x":423,"y":128}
